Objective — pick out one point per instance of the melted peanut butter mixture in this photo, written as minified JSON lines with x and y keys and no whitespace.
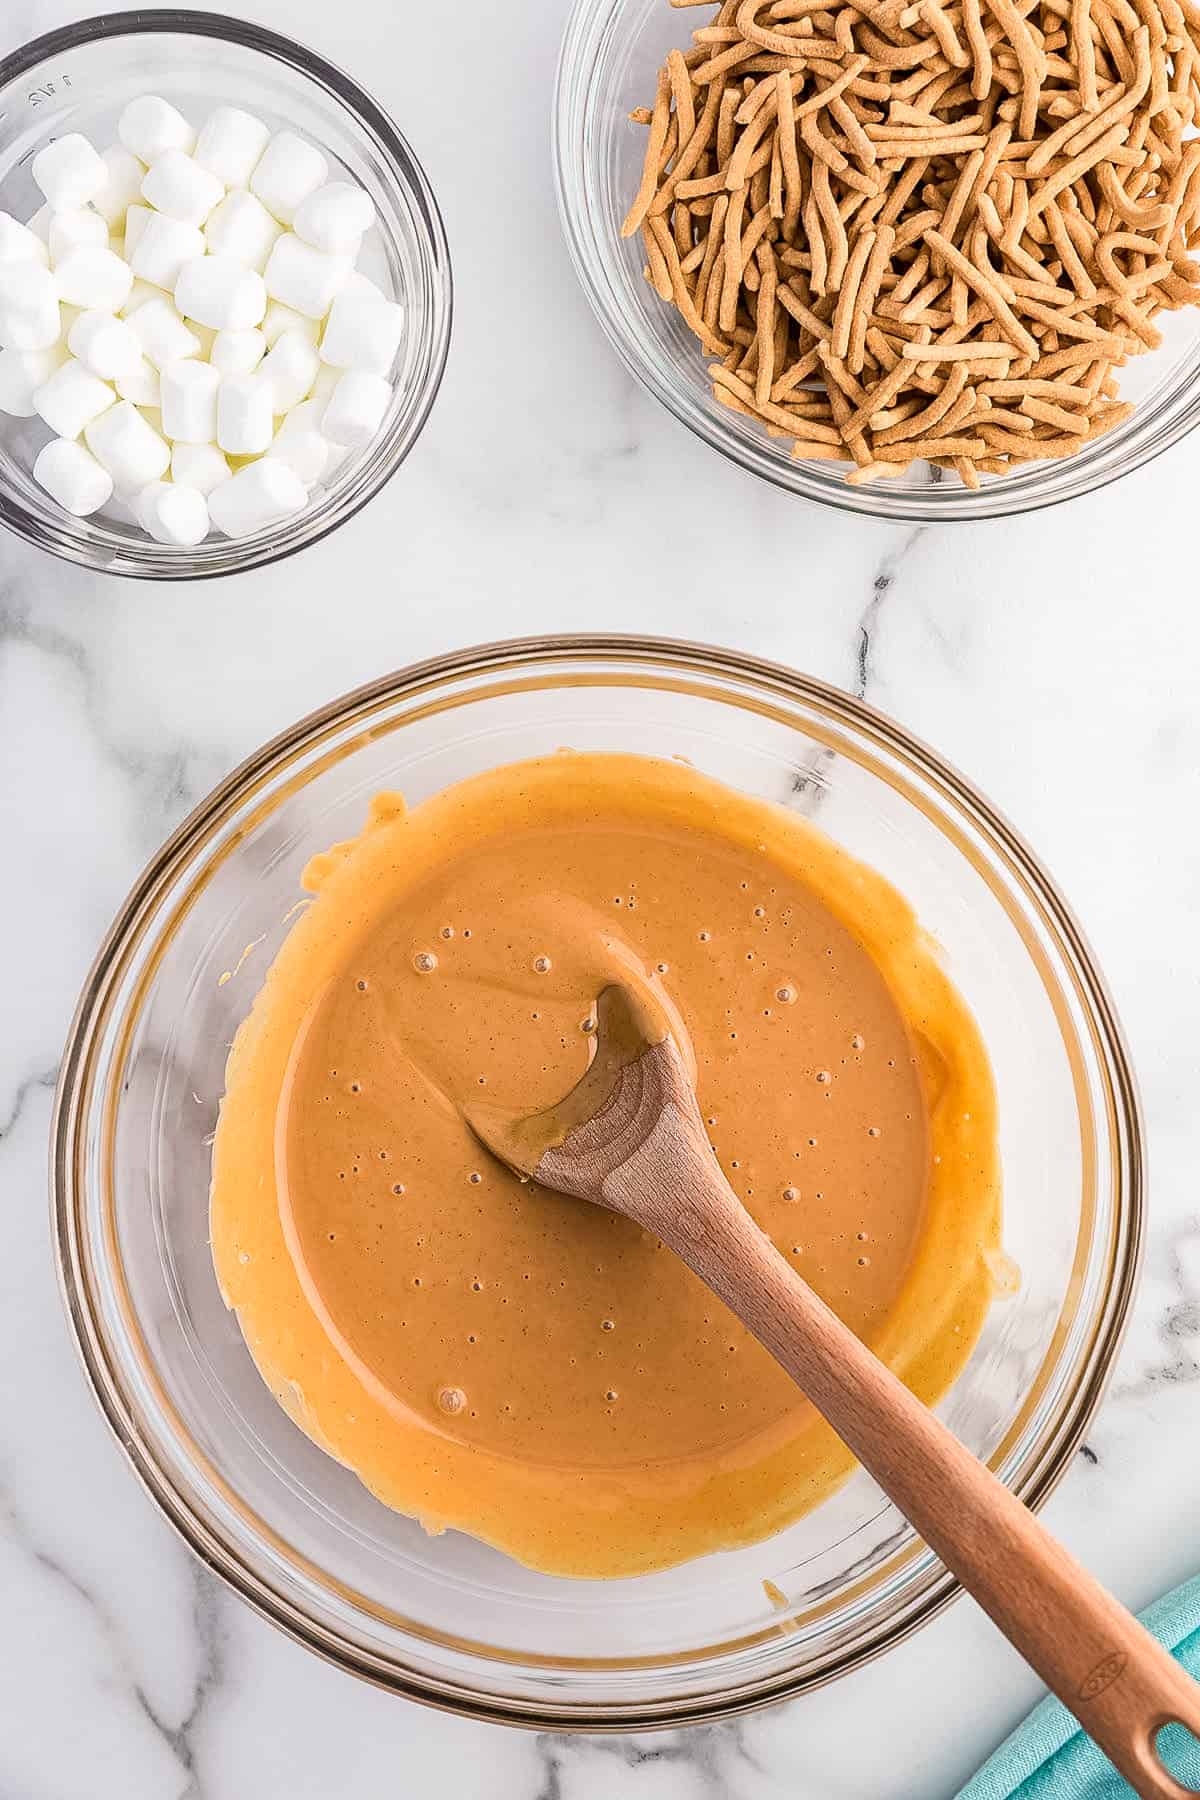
{"x":522,"y":1366}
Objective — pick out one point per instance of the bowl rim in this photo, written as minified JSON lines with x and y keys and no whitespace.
{"x":67,"y":1190}
{"x":363,"y":107}
{"x":586,"y":22}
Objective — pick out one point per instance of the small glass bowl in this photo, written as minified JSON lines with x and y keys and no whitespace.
{"x":611,"y":55}
{"x":446,"y":1619}
{"x":80,"y":79}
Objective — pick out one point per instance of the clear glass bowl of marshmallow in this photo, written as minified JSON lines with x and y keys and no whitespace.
{"x":225,"y":295}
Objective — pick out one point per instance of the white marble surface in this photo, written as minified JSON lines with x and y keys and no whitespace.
{"x":1054,"y":659}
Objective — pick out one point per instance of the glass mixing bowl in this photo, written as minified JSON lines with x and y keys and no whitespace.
{"x":610,"y":58}
{"x":446,"y":1619}
{"x":80,"y":79}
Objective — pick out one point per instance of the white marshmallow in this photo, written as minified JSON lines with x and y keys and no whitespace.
{"x":71,"y":398}
{"x":363,"y":333}
{"x":163,"y":248}
{"x":136,"y":221}
{"x":75,"y":229}
{"x":69,"y":172}
{"x":206,"y":335}
{"x":173,"y":515}
{"x":221,"y":293}
{"x":40,"y":224}
{"x":245,"y":421}
{"x":290,"y":368}
{"x":21,"y":373}
{"x":302,"y":445}
{"x":19,"y":244}
{"x":262,"y":494}
{"x":238,"y":352}
{"x":303,"y":278}
{"x":277,"y":319}
{"x":92,"y":277}
{"x":140,"y":501}
{"x":30,"y":317}
{"x":141,"y":385}
{"x":230,"y":144}
{"x":241,"y":227}
{"x":189,"y":401}
{"x":179,"y":187}
{"x":162,"y":333}
{"x":122,"y":187}
{"x":108,"y":347}
{"x":139,"y":294}
{"x":356,"y":408}
{"x":201,"y":466}
{"x":327,"y":380}
{"x":128,"y":447}
{"x":149,"y":127}
{"x":361,"y":285}
{"x":73,"y":477}
{"x":289,"y":170}
{"x":335,"y":218}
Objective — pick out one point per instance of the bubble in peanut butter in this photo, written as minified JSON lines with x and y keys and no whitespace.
{"x":791,"y":1194}
{"x":786,"y":995}
{"x":542,"y":965}
{"x":451,"y":1400}
{"x":425,"y":962}
{"x":447,"y":931}
{"x":858,"y":1042}
{"x":824,"y":1077}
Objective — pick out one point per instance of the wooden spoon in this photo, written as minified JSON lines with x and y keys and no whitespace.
{"x":630,"y":1138}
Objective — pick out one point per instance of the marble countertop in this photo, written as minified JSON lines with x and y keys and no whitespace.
{"x":1054,"y":659}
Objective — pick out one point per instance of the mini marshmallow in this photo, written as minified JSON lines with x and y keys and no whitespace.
{"x":173,"y":515}
{"x":136,"y":221}
{"x":122,"y":186}
{"x":221,"y":293}
{"x":40,"y":224}
{"x":162,"y":333}
{"x":189,"y":401}
{"x":259,"y":495}
{"x":72,"y":398}
{"x":69,"y":172}
{"x":201,"y":466}
{"x":245,"y":420}
{"x":149,"y":127}
{"x":361,"y":285}
{"x":73,"y":477}
{"x":22,"y":372}
{"x":106,"y":346}
{"x":238,"y":352}
{"x":19,"y":244}
{"x":140,"y":501}
{"x":128,"y":447}
{"x":356,"y":408}
{"x":277,"y":319}
{"x":230,"y":144}
{"x":362,"y":333}
{"x":242,"y":228}
{"x":302,"y":445}
{"x":141,"y":385}
{"x":75,"y":229}
{"x":163,"y":248}
{"x":303,"y":278}
{"x":93,"y":277}
{"x":288,"y":171}
{"x":328,"y":378}
{"x":179,"y":187}
{"x":335,"y":218}
{"x":30,"y":316}
{"x":290,"y":368}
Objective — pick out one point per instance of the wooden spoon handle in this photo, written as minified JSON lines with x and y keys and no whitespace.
{"x":1120,"y":1683}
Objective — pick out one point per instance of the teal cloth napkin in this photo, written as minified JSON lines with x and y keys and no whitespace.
{"x":1050,"y":1758}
